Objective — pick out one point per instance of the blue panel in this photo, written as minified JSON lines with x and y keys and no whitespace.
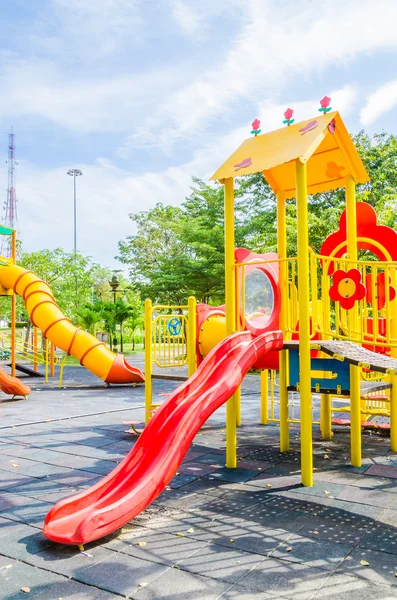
{"x":321,"y":384}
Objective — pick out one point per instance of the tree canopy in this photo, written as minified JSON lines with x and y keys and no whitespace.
{"x":178,"y":251}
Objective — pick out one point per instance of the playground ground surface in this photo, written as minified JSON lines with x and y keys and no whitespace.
{"x":244,"y":534}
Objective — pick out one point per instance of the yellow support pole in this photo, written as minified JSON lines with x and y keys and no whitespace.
{"x":52,"y":356}
{"x":191,"y":335}
{"x":148,"y":359}
{"x":304,"y":325}
{"x":393,"y":393}
{"x":46,"y":360}
{"x":325,"y":417}
{"x":283,"y":375}
{"x":13,"y":307}
{"x":355,"y":372}
{"x":230,"y":297}
{"x":264,"y":397}
{"x":35,"y":342}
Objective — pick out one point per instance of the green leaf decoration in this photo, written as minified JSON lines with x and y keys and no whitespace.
{"x":328,"y":109}
{"x":256,"y":131}
{"x":253,"y":131}
{"x":285,"y":121}
{"x":321,"y":109}
{"x":291,"y":121}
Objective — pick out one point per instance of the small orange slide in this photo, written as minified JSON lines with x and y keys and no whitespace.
{"x":13,"y":385}
{"x":45,"y":314}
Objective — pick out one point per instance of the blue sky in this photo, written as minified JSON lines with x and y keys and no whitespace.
{"x":143,"y":94}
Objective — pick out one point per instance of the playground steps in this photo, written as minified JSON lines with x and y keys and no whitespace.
{"x":26,"y":370}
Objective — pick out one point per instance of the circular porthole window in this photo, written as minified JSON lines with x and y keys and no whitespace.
{"x":259,"y":297}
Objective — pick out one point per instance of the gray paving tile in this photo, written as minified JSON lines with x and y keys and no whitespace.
{"x":22,"y":508}
{"x":179,"y":585}
{"x":20,"y":541}
{"x":367,"y":496}
{"x":44,"y":585}
{"x":196,"y":469}
{"x":121,"y":574}
{"x":388,"y":517}
{"x":157,"y":546}
{"x":381,"y":537}
{"x":312,"y":552}
{"x":250,"y":537}
{"x":233,"y":475}
{"x":222,"y":563}
{"x":238,"y":592}
{"x":283,"y":579}
{"x":68,"y":560}
{"x":340,"y":587}
{"x":381,"y":567}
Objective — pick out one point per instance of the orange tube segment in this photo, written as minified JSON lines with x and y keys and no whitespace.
{"x":45,"y":314}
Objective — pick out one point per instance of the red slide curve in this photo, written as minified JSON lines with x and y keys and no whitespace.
{"x":159,"y":451}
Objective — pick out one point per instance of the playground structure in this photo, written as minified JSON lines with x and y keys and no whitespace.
{"x":310,"y":316}
{"x":56,"y":328}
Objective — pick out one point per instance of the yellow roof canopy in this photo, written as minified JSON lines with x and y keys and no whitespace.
{"x":323,"y":142}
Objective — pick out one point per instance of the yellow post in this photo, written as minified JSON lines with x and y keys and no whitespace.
{"x":148,"y":359}
{"x":304,"y":325}
{"x":230,"y":297}
{"x":325,"y":416}
{"x":283,"y":375}
{"x":264,"y":397}
{"x":191,"y":335}
{"x":393,"y":393}
{"x":35,"y":342}
{"x":46,"y":360}
{"x":13,"y":307}
{"x":355,"y":395}
{"x":52,"y":356}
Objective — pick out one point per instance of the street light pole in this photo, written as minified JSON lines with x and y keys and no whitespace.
{"x":74,"y":173}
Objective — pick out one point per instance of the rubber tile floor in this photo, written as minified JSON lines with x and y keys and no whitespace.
{"x":248,"y":533}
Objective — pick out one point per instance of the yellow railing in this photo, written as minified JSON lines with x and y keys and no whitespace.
{"x":170,"y":341}
{"x":375,"y":325}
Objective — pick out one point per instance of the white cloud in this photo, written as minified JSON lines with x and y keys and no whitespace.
{"x":378,"y":103}
{"x":278,"y":42}
{"x":186,"y":17}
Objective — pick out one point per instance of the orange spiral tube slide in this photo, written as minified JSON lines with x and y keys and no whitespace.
{"x":45,"y":314}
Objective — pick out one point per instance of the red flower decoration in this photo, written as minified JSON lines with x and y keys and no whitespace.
{"x":347,"y":288}
{"x":380,"y":287}
{"x":288,"y":116}
{"x":255,"y":127}
{"x":325,"y":102}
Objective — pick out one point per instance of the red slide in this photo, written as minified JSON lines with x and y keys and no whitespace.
{"x":159,"y":451}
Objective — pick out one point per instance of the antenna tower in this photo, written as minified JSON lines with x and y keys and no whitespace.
{"x":10,"y":205}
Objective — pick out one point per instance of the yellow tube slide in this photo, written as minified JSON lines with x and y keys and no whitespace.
{"x":45,"y":314}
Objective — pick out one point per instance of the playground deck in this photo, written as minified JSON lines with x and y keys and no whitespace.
{"x":249,"y":533}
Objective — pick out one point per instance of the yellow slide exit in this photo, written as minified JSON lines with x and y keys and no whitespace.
{"x":45,"y":314}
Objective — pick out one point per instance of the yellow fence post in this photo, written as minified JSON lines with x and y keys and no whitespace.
{"x":148,"y":359}
{"x":283,"y":281}
{"x":191,"y":335}
{"x":393,"y":393}
{"x":355,"y":372}
{"x":230,"y":297}
{"x":13,"y":307}
{"x":325,"y":416}
{"x":52,"y":357}
{"x":304,"y":325}
{"x":46,"y":360}
{"x":264,"y":419}
{"x":35,"y":342}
